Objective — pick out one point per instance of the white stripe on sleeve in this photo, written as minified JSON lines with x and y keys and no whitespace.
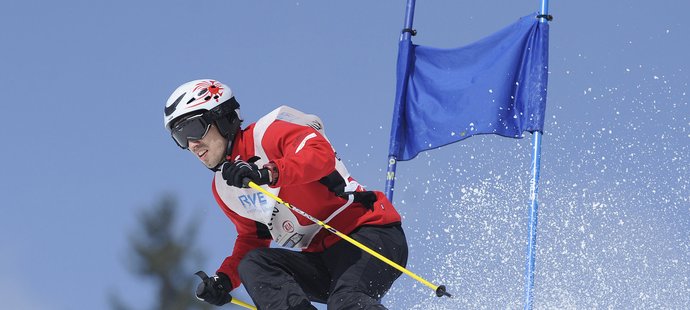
{"x":301,"y":145}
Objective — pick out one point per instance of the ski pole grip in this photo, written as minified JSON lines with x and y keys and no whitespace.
{"x":245,"y":182}
{"x":441,"y":291}
{"x":202,"y":287}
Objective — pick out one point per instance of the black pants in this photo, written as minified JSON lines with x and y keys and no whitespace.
{"x":343,"y":276}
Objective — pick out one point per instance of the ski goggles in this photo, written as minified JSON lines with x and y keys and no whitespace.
{"x":192,"y":128}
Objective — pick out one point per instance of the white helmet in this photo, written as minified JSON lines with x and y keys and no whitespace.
{"x":210,"y":98}
{"x":195,"y":97}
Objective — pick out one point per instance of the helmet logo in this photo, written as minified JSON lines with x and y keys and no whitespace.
{"x":169,"y":110}
{"x":205,"y":91}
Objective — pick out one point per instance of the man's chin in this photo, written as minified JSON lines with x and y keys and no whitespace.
{"x":209,"y":164}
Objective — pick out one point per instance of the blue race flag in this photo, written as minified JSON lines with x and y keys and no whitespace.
{"x":494,"y":86}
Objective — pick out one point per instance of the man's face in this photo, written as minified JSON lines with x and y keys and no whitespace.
{"x":211,"y":148}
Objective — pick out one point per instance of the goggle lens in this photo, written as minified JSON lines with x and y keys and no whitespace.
{"x":193,"y":128}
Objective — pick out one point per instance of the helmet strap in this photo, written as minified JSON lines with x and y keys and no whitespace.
{"x":228,"y":127}
{"x":228,"y":123}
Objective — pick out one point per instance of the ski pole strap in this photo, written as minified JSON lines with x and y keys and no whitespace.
{"x":440,"y":290}
{"x":366,"y":198}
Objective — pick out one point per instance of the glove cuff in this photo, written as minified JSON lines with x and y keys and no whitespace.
{"x":272,"y":169}
{"x":224,"y":280}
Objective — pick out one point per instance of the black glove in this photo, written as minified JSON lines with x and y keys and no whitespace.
{"x":235,"y":172}
{"x":366,"y":198}
{"x":214,"y":290}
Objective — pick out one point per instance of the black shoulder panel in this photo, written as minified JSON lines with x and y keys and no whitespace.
{"x":262,"y":231}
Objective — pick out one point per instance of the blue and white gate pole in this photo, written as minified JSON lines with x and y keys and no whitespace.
{"x":532,"y":224}
{"x":390,"y":176}
{"x":534,"y":207}
{"x":392,"y":160}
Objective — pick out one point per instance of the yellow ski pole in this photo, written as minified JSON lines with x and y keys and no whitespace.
{"x":439,"y":289}
{"x":242,"y":304}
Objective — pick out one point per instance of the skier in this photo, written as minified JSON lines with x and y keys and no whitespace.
{"x":288,"y":154}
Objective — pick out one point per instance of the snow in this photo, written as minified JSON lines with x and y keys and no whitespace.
{"x":614,"y":208}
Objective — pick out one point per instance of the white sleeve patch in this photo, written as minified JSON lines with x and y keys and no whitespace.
{"x":301,"y":145}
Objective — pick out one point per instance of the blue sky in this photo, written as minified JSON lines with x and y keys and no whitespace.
{"x":85,"y":152}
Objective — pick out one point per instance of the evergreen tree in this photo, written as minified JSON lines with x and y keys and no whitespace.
{"x":168,"y":258}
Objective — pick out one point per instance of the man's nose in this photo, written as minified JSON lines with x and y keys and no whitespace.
{"x":192,"y":143}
